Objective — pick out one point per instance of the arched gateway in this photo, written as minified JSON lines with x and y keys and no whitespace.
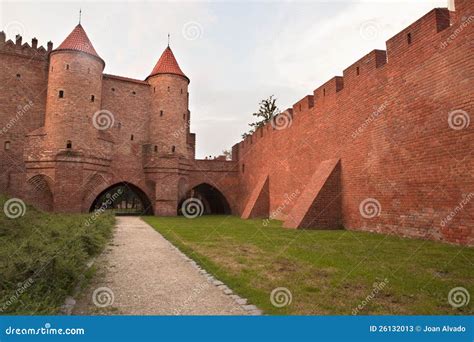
{"x":213,"y":201}
{"x":123,"y":199}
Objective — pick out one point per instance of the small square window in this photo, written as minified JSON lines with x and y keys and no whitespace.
{"x":92,"y":98}
{"x":18,"y":75}
{"x":6,"y":145}
{"x":409,"y":38}
{"x":67,"y":66}
{"x":61,"y":94}
{"x":161,"y":113}
{"x":69,"y":144}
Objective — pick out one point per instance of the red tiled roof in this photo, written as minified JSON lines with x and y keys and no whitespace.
{"x":167,"y":64}
{"x":78,"y":40}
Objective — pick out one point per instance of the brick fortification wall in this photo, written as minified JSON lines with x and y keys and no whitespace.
{"x":395,"y":125}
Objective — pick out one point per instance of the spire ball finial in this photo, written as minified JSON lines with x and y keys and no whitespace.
{"x":168,"y":39}
{"x":80,"y":15}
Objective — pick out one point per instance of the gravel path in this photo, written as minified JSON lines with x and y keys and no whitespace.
{"x":147,"y":275}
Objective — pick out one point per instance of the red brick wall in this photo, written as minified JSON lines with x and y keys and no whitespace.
{"x":389,"y":127}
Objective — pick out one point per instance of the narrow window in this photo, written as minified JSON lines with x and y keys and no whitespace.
{"x":92,"y":98}
{"x":154,"y":89}
{"x":173,"y":148}
{"x":156,"y":148}
{"x":184,"y":116}
{"x":134,"y":93}
{"x":131,"y":137}
{"x":161,"y":113}
{"x":18,"y":75}
{"x":409,"y":38}
{"x":168,"y":88}
{"x":69,"y":144}
{"x":243,"y":168}
{"x":181,"y":90}
{"x":357,"y":71}
{"x":6,"y":145}
{"x":61,"y":94}
{"x":324,"y":92}
{"x":113,"y":89}
{"x":52,"y":68}
{"x":67,"y":66}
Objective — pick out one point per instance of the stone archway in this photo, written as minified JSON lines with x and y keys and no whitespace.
{"x":212,"y":199}
{"x":123,"y":198}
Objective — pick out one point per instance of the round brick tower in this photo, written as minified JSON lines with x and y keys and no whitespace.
{"x":169,"y":122}
{"x":74,"y":93}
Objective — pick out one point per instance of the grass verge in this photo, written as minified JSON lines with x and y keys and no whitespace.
{"x":327,"y":272}
{"x":43,"y":256}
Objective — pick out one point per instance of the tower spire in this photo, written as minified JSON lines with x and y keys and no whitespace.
{"x":168,"y":39}
{"x":80,"y":15}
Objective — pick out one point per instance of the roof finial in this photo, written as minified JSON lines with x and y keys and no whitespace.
{"x":168,"y":40}
{"x":80,"y":14}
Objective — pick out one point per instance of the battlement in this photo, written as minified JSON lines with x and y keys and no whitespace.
{"x":24,"y":49}
{"x":413,"y":42}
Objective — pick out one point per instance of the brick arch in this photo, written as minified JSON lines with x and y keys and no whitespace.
{"x":94,"y":182}
{"x":143,"y":187}
{"x":39,"y":193}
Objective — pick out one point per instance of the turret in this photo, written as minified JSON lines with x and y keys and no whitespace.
{"x":169,"y":122}
{"x":74,"y":92}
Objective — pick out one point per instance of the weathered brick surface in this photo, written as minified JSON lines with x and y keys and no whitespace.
{"x":258,"y":201}
{"x":388,"y":125}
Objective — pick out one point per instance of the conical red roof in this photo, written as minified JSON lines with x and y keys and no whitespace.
{"x":78,"y":41}
{"x":167,"y":64}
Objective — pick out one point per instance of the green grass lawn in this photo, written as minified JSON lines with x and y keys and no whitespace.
{"x":327,"y":272}
{"x":44,"y":256}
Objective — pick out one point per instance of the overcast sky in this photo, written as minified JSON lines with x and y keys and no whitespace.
{"x":235,"y":53}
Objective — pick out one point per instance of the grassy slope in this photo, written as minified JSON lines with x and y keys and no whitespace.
{"x":53,"y":250}
{"x":328,"y":272}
